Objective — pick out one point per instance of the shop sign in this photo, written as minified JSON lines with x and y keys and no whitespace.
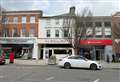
{"x":16,"y":41}
{"x":96,"y":42}
{"x":54,"y":41}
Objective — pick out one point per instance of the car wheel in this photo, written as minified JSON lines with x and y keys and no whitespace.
{"x":67,"y":65}
{"x":93,"y":66}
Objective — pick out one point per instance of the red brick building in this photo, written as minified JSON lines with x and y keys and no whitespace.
{"x":19,"y":30}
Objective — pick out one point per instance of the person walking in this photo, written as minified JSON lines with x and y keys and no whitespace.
{"x":11,"y":57}
{"x":108,"y":61}
{"x":113,"y":58}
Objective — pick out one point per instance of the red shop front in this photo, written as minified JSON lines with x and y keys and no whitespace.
{"x":95,"y":49}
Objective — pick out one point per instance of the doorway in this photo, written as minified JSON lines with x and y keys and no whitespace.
{"x":98,"y":54}
{"x":50,"y":53}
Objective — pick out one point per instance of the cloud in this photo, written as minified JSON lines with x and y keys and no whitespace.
{"x":40,"y":4}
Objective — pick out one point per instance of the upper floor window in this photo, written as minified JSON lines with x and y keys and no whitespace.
{"x":24,"y":32}
{"x":107,"y":24}
{"x":89,"y":24}
{"x":23,"y":19}
{"x":57,"y":21}
{"x":56,"y":33}
{"x":47,"y":33}
{"x":98,"y":31}
{"x":15,"y":32}
{"x":66,"y":32}
{"x":89,"y":31}
{"x":108,"y":32}
{"x":98,"y":24}
{"x":6,"y":20}
{"x":48,"y":21}
{"x":15,"y":20}
{"x":32,"y":19}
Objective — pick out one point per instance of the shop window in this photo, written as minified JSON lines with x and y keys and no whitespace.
{"x":47,"y":33}
{"x":62,"y":51}
{"x":56,"y":33}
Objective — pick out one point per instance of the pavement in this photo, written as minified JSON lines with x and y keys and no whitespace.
{"x":43,"y":63}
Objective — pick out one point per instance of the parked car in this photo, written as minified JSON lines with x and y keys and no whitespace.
{"x":78,"y":61}
{"x":2,"y":59}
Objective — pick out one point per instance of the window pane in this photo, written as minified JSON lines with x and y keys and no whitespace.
{"x":62,"y":51}
{"x":89,"y":24}
{"x":24,"y":31}
{"x":15,"y":20}
{"x":48,"y":33}
{"x":98,"y":24}
{"x":107,"y":24}
{"x":15,"y":32}
{"x":32,"y":31}
{"x":32,"y":19}
{"x":23,"y":19}
{"x":66,"y":32}
{"x":56,"y":33}
{"x":107,"y":31}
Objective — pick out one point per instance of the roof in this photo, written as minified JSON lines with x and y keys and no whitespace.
{"x":117,"y":14}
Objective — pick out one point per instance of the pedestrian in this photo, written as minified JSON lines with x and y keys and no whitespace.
{"x":108,"y":61}
{"x":11,"y":57}
{"x":113,"y":58}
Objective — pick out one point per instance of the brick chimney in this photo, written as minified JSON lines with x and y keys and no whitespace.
{"x":72,"y":10}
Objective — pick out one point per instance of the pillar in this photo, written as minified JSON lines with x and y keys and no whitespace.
{"x":35,"y":51}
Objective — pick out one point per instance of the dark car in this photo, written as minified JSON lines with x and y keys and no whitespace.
{"x":2,"y":59}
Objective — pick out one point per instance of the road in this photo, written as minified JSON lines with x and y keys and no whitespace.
{"x":20,"y":73}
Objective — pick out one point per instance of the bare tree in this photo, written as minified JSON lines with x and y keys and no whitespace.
{"x":3,"y":21}
{"x":76,"y":26}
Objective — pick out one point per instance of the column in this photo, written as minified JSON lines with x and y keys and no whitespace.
{"x":35,"y":51}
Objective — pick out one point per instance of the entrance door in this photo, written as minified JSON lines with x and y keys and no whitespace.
{"x":98,"y":54}
{"x":50,"y":53}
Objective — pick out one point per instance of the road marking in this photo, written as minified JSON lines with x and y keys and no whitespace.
{"x":97,"y":80}
{"x":49,"y":78}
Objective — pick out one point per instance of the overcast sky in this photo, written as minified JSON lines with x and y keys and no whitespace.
{"x":56,"y":7}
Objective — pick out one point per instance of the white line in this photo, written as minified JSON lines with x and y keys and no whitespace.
{"x":97,"y":80}
{"x":50,"y":78}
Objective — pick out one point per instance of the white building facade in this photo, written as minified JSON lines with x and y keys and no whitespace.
{"x":53,"y":38}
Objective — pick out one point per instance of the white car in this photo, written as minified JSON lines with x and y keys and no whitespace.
{"x":78,"y":61}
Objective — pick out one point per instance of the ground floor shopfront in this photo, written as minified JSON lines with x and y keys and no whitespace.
{"x":22,"y":47}
{"x":96,"y":49}
{"x":48,"y":47}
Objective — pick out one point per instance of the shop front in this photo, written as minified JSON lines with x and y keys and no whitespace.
{"x":96,"y":49}
{"x":23,"y":48}
{"x":54,"y":47}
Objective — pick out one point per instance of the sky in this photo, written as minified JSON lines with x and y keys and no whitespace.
{"x":57,"y":7}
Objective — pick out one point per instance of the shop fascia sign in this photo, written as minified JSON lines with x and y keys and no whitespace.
{"x":56,"y":41}
{"x":17,"y":40}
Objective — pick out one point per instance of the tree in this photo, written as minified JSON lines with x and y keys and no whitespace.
{"x":4,"y":31}
{"x":76,"y":26}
